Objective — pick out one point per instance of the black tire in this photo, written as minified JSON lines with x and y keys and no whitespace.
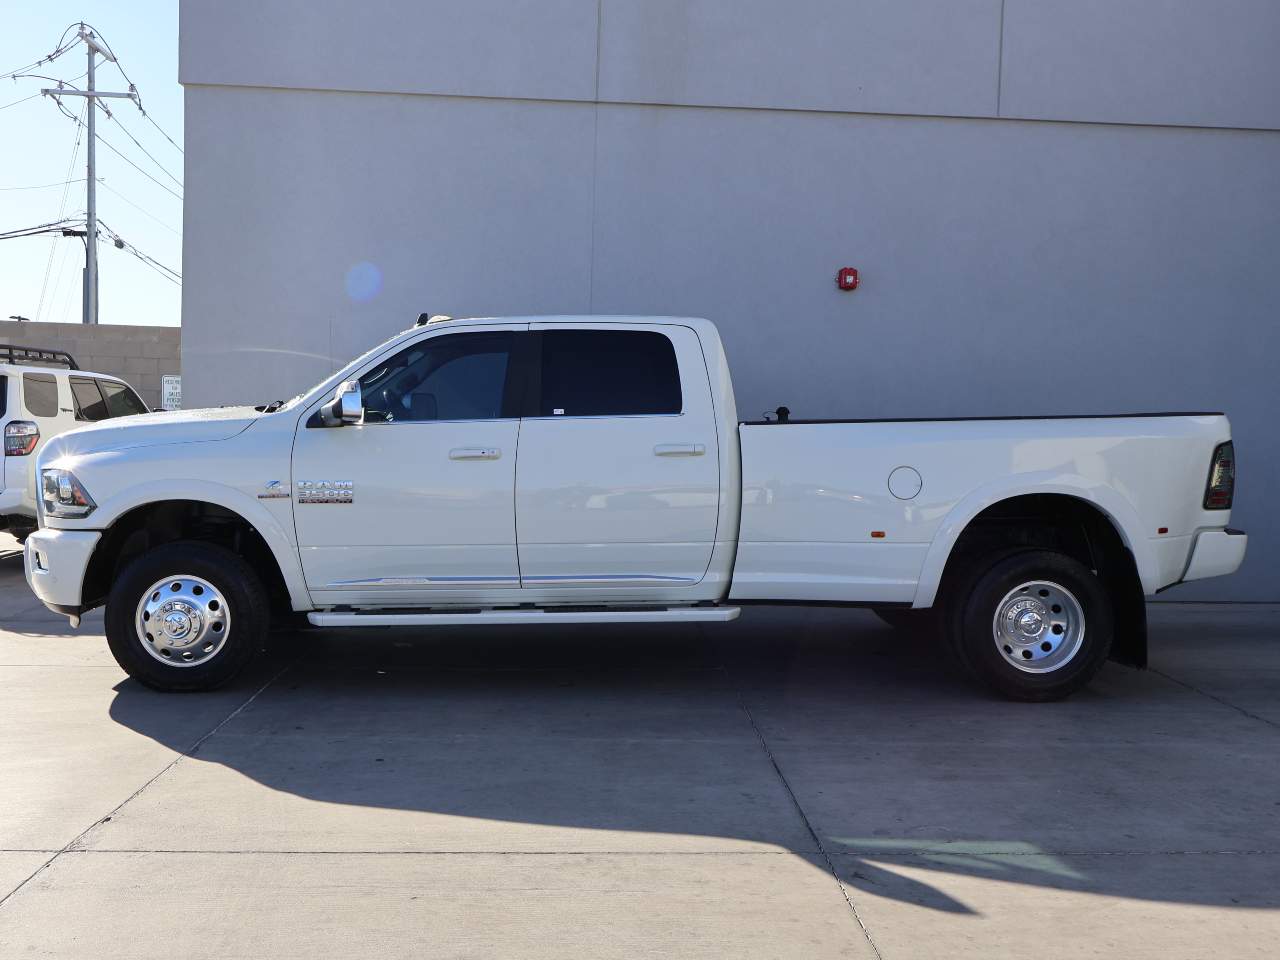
{"x":972,"y":606}
{"x":246,"y":599}
{"x":907,"y":619}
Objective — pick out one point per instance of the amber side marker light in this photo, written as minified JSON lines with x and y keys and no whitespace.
{"x":877,"y":534}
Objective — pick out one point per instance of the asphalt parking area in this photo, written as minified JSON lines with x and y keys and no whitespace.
{"x":803,"y":783}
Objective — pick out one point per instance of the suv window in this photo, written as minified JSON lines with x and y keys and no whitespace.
{"x":460,"y":376}
{"x":40,"y":394}
{"x":4,"y":394}
{"x":596,"y":373}
{"x":121,"y":401}
{"x":89,"y":403}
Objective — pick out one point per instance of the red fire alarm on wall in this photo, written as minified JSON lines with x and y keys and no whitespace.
{"x":847,"y":278}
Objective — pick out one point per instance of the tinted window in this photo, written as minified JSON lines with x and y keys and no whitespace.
{"x":460,"y":376}
{"x":40,"y":394}
{"x":121,"y":401}
{"x":4,"y":394}
{"x":592,"y":373}
{"x":89,"y":402}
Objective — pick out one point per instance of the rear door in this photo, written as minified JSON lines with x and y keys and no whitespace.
{"x":98,"y":398}
{"x":90,"y":405}
{"x":618,"y":480}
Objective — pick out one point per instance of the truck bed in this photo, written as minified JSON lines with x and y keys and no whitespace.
{"x":817,"y":501}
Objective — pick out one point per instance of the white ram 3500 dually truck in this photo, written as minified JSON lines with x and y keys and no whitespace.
{"x":592,"y":470}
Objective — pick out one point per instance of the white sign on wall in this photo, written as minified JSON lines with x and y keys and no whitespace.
{"x":170,"y":392}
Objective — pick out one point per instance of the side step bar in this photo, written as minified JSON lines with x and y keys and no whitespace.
{"x":541,"y":615}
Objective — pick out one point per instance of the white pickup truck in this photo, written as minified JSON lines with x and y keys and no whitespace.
{"x":593,"y":470}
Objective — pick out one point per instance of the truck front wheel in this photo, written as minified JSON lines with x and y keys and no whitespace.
{"x":186,"y":616}
{"x":1031,"y":625}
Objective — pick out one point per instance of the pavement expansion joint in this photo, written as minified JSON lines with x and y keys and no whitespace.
{"x":1204,"y":693}
{"x":76,"y":842}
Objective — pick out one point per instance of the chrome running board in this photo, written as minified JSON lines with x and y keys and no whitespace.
{"x":537,"y":615}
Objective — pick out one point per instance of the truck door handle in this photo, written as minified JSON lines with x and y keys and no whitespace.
{"x":475,"y":453}
{"x":679,"y":450}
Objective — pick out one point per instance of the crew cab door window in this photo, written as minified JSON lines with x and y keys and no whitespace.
{"x":121,"y":401}
{"x":608,"y":373}
{"x":461,"y":376}
{"x":89,"y":402}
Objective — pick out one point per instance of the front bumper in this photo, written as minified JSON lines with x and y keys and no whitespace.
{"x":55,"y":563}
{"x":1216,"y":553}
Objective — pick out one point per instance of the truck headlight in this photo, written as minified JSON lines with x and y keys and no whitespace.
{"x":63,"y":495}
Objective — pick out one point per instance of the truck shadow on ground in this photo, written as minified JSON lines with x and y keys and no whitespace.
{"x":813,"y":731}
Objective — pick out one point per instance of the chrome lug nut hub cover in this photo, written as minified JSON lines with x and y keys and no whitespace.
{"x":1039,"y":626}
{"x":183,"y":621}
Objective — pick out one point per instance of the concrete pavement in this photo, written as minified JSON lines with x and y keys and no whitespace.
{"x":803,"y":783}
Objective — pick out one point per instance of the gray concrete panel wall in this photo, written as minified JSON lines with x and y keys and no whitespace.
{"x":1009,"y":266}
{"x":490,"y":48}
{"x":477,"y":205}
{"x":875,"y":56}
{"x":1182,"y":62}
{"x":138,"y":355}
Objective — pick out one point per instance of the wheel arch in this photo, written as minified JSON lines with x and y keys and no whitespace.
{"x":157,"y":522}
{"x":1072,"y":520}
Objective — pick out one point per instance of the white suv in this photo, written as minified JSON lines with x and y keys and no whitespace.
{"x":42,"y":394}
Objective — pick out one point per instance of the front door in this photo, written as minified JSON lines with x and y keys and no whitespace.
{"x":618,"y":484}
{"x":415,"y":504}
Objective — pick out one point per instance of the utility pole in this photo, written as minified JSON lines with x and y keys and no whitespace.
{"x":95,"y":49}
{"x":90,"y":310}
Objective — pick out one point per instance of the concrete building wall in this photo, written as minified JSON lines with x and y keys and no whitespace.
{"x":1049,"y":215}
{"x":136,"y":354}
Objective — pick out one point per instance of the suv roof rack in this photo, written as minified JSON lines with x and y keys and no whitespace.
{"x":17,"y":354}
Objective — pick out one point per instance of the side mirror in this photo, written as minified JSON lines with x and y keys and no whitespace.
{"x":347,"y":406}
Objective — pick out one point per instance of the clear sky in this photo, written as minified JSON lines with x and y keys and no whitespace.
{"x":36,"y":144}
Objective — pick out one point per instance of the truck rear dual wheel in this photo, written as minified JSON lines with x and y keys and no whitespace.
{"x":186,"y":616}
{"x":1031,"y":624}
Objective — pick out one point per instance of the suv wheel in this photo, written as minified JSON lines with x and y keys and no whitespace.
{"x":186,"y":616}
{"x":1032,"y":625}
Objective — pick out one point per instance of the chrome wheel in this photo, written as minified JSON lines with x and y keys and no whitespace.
{"x":183,"y":621}
{"x":1039,"y":626}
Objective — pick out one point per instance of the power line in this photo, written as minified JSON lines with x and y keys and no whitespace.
{"x":23,"y":100}
{"x":56,"y":226}
{"x":134,"y":87}
{"x":42,"y":76}
{"x":62,"y":206}
{"x":141,"y":147}
{"x":58,"y":51}
{"x":161,"y":129}
{"x":106,"y":143}
{"x":123,"y":244}
{"x":45,"y":186}
{"x":107,"y":186}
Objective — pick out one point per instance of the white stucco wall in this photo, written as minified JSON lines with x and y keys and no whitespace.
{"x":1051,"y":213}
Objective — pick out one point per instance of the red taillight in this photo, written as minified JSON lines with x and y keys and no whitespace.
{"x":1222,"y":478}
{"x":20,"y":438}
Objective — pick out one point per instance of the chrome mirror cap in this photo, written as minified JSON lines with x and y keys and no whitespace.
{"x":346,"y":407}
